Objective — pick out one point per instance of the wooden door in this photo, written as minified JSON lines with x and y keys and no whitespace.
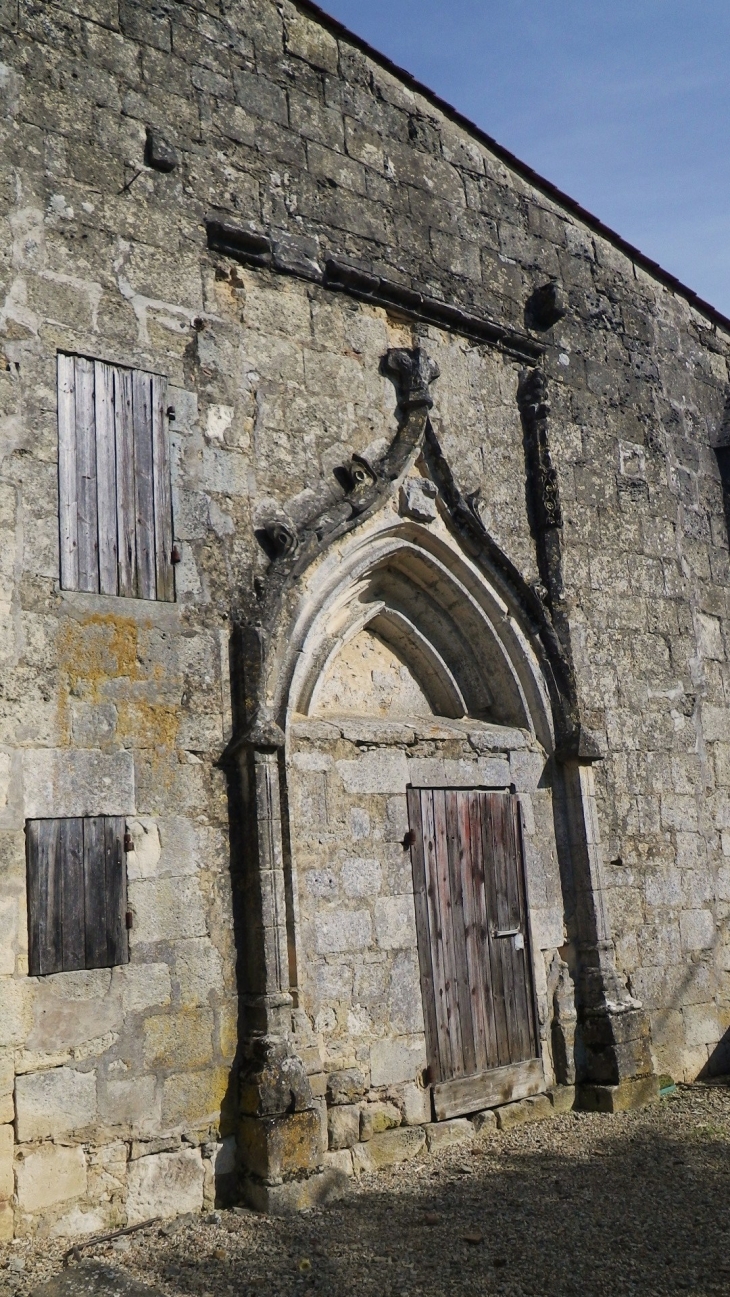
{"x":474,"y":950}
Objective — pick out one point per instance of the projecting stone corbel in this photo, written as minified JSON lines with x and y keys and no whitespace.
{"x":412,"y":373}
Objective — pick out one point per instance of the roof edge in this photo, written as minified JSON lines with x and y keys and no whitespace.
{"x":550,"y":190}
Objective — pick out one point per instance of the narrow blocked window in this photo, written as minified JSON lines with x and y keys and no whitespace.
{"x":114,"y":480}
{"x":77,"y":894}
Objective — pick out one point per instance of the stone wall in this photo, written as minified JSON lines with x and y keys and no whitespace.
{"x":116,"y":1080}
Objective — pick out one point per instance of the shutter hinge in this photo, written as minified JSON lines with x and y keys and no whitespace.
{"x":129,"y":919}
{"x":409,"y":839}
{"x":128,"y":841}
{"x":176,"y":556}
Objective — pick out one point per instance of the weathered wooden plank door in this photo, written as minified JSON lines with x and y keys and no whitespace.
{"x":474,"y":950}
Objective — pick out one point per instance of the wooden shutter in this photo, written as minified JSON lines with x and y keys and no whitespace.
{"x":114,"y":481}
{"x":77,"y":894}
{"x":473,"y":942}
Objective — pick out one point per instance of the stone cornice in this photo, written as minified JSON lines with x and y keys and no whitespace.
{"x":293,"y":257}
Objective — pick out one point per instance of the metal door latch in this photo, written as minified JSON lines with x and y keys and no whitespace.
{"x":519,"y":940}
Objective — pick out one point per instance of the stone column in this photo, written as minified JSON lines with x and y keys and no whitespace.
{"x":612,"y":1041}
{"x":280,"y":1140}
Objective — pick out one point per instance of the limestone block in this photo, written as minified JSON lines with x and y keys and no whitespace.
{"x":563,"y":1098}
{"x":7,"y":1185}
{"x":340,"y":1160}
{"x":166,"y":909}
{"x":7,"y":1222}
{"x":54,"y":1102}
{"x":343,"y":1126}
{"x":198,"y":970}
{"x":701,"y":1024}
{"x":359,"y":877}
{"x":192,"y":1098}
{"x":484,"y":1122}
{"x":80,"y":1221}
{"x":697,"y":929}
{"x":426,"y":772}
{"x":397,"y":1059}
{"x":61,"y":1023}
{"x":343,"y":930}
{"x":636,"y":1092}
{"x":395,"y":922}
{"x":179,"y":1040}
{"x":310,"y":41}
{"x":143,"y":986}
{"x":130,"y":1101}
{"x":224,"y":1157}
{"x":8,"y":933}
{"x":375,"y":772}
{"x":64,"y":782}
{"x":443,"y":1134}
{"x":272,"y":1147}
{"x":526,"y":770}
{"x":50,"y":1175}
{"x":346,"y":1086}
{"x":144,"y":858}
{"x":378,"y":1117}
{"x":388,"y":1149}
{"x":537,"y":1108}
{"x":165,"y":1184}
{"x":16,"y":997}
{"x":416,"y":1105}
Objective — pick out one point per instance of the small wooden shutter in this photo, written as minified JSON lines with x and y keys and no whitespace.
{"x":114,"y":481}
{"x":473,"y":940}
{"x":77,"y":894}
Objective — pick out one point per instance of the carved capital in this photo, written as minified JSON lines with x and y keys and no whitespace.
{"x":412,"y":372}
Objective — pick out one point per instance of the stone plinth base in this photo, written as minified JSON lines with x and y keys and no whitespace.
{"x":636,"y":1092}
{"x":295,"y":1195}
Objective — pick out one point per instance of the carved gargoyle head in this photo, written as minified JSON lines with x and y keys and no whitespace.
{"x":281,"y":537}
{"x":412,"y":372}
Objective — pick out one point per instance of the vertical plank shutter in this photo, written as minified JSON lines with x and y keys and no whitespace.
{"x":143,"y":485}
{"x":126,"y":503}
{"x":114,"y":481}
{"x":69,"y":538}
{"x":161,"y":490}
{"x":77,"y":894}
{"x":88,"y":526}
{"x":106,"y":477}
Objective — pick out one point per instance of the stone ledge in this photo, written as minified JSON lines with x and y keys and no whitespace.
{"x":388,"y":1149}
{"x":536,"y":1108}
{"x":636,"y":1092}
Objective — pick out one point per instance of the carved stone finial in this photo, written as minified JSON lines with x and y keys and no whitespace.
{"x":412,"y":372}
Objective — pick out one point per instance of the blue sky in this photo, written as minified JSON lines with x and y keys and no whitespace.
{"x":625,"y":106}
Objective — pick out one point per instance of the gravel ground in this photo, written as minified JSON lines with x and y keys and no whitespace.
{"x":593,"y":1205}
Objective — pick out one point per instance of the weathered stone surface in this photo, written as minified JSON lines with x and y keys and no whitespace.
{"x":377,"y":1117}
{"x":388,"y":1149}
{"x":59,"y":783}
{"x":165,"y":1184}
{"x":50,"y":1174}
{"x":346,"y":1087}
{"x":343,"y":1126}
{"x":416,"y":1105}
{"x":484,"y":1122}
{"x":340,"y":1160}
{"x":399,"y":1059}
{"x":270,"y":1147}
{"x":7,"y":1185}
{"x":54,"y":1102}
{"x":563,"y":1098}
{"x":537,"y":1108}
{"x":444,"y":1134}
{"x":635,"y":1092}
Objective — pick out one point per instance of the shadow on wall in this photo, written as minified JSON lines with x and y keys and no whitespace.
{"x":584,"y":1204}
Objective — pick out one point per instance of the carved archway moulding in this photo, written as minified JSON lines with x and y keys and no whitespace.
{"x":271,"y":640}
